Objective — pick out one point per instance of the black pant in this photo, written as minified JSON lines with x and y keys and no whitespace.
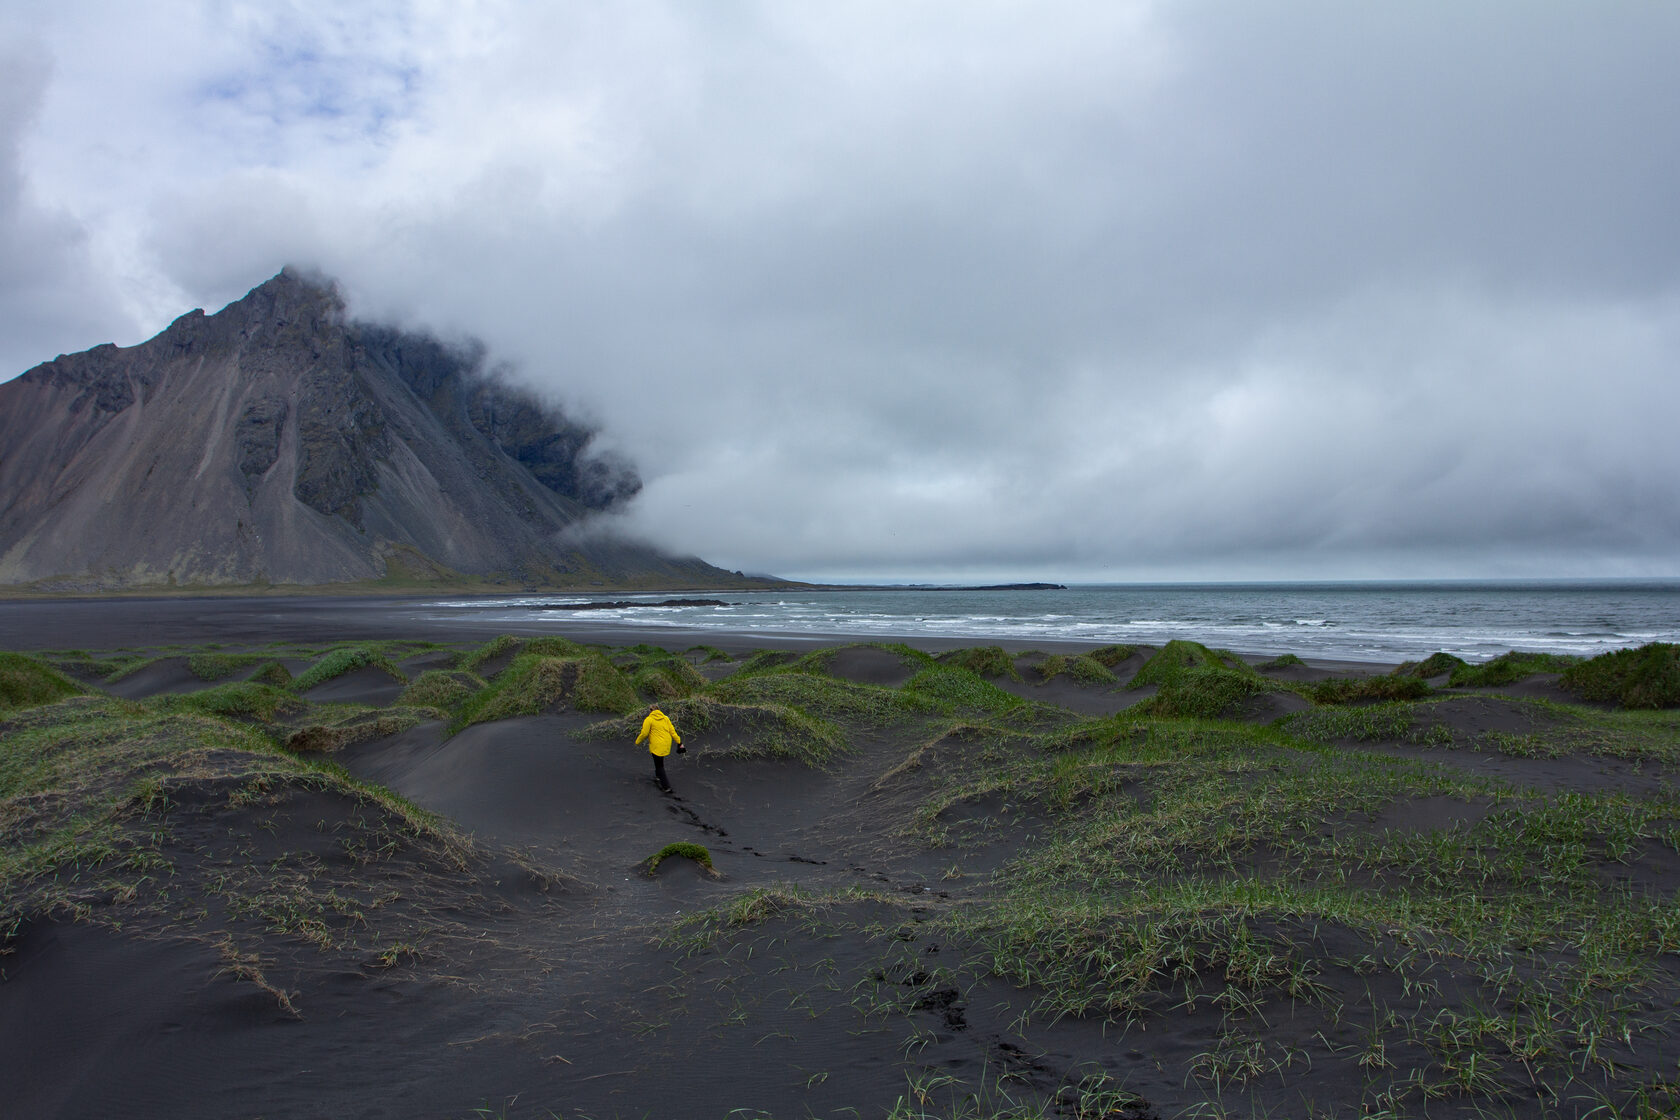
{"x":659,"y":772}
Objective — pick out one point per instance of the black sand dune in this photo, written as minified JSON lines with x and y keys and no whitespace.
{"x":868,"y":940}
{"x":161,"y":677}
{"x":366,"y":685}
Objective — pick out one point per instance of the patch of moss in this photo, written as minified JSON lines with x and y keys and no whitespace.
{"x":1647,"y":677}
{"x":681,"y":850}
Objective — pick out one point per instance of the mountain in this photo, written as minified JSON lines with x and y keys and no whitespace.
{"x":278,"y":442}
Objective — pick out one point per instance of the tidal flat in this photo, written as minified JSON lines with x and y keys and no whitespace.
{"x":415,"y":877}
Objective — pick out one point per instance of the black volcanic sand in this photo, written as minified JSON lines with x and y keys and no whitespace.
{"x":868,"y":943}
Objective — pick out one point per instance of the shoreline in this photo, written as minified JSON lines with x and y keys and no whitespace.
{"x":93,"y":623}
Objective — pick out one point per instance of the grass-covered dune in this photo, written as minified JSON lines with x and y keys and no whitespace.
{"x":424,"y":878}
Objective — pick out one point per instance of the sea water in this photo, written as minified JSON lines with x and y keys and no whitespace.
{"x":1382,"y":622}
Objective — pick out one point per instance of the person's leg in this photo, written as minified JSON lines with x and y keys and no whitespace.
{"x":659,"y":773}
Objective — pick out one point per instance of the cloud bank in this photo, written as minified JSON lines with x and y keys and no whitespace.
{"x":948,"y":290}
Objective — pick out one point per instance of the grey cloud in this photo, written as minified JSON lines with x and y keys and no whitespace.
{"x":1109,"y":289}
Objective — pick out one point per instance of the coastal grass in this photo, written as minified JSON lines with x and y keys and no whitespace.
{"x":1195,"y":866}
{"x":27,"y":682}
{"x":538,"y":680}
{"x":442,"y":691}
{"x":983,"y":661}
{"x":1328,"y":909}
{"x":106,"y":807}
{"x":1282,"y":661}
{"x":1083,"y":669}
{"x":344,"y":659}
{"x":697,"y":853}
{"x":250,"y":701}
{"x":1647,"y":677}
{"x":1199,"y":866}
{"x":1179,"y":655}
{"x":1508,"y":668}
{"x":1204,"y":692}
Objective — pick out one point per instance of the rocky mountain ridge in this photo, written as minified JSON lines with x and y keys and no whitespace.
{"x":279,"y":442}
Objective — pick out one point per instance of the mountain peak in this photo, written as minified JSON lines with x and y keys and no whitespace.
{"x":279,"y":441}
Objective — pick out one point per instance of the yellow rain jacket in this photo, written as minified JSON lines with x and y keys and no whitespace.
{"x":659,"y":732}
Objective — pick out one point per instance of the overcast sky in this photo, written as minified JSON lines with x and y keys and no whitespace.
{"x":1054,"y":290}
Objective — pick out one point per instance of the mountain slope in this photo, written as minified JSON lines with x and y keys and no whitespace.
{"x":278,"y":442}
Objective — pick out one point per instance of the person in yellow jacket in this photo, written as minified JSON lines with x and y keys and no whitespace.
{"x":660,"y":733}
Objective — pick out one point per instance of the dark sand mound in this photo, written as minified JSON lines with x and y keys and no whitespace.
{"x":1470,"y":717}
{"x":432,"y":659}
{"x":870,"y":665}
{"x":109,"y":1024}
{"x":164,"y":676}
{"x":1087,"y":700}
{"x":1264,"y":707}
{"x":1068,"y":916}
{"x":365,"y":685}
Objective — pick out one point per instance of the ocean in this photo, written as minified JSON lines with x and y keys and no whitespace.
{"x":1382,"y":622}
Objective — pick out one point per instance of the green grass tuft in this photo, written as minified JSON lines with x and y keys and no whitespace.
{"x":1177,"y":656}
{"x":1202,"y":693}
{"x":215,"y":666}
{"x":1364,"y":690}
{"x":1509,"y":668}
{"x":1110,"y":656}
{"x":27,"y":683}
{"x":337,"y":662}
{"x":536,"y":682}
{"x":442,"y":690}
{"x":680,"y":850}
{"x":1647,"y":677}
{"x":961,"y":690}
{"x":1435,"y":665}
{"x":1282,"y":661}
{"x":984,"y":661}
{"x":1083,"y":669}
{"x":272,"y":672}
{"x":246,"y":700}
{"x":667,"y":679}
